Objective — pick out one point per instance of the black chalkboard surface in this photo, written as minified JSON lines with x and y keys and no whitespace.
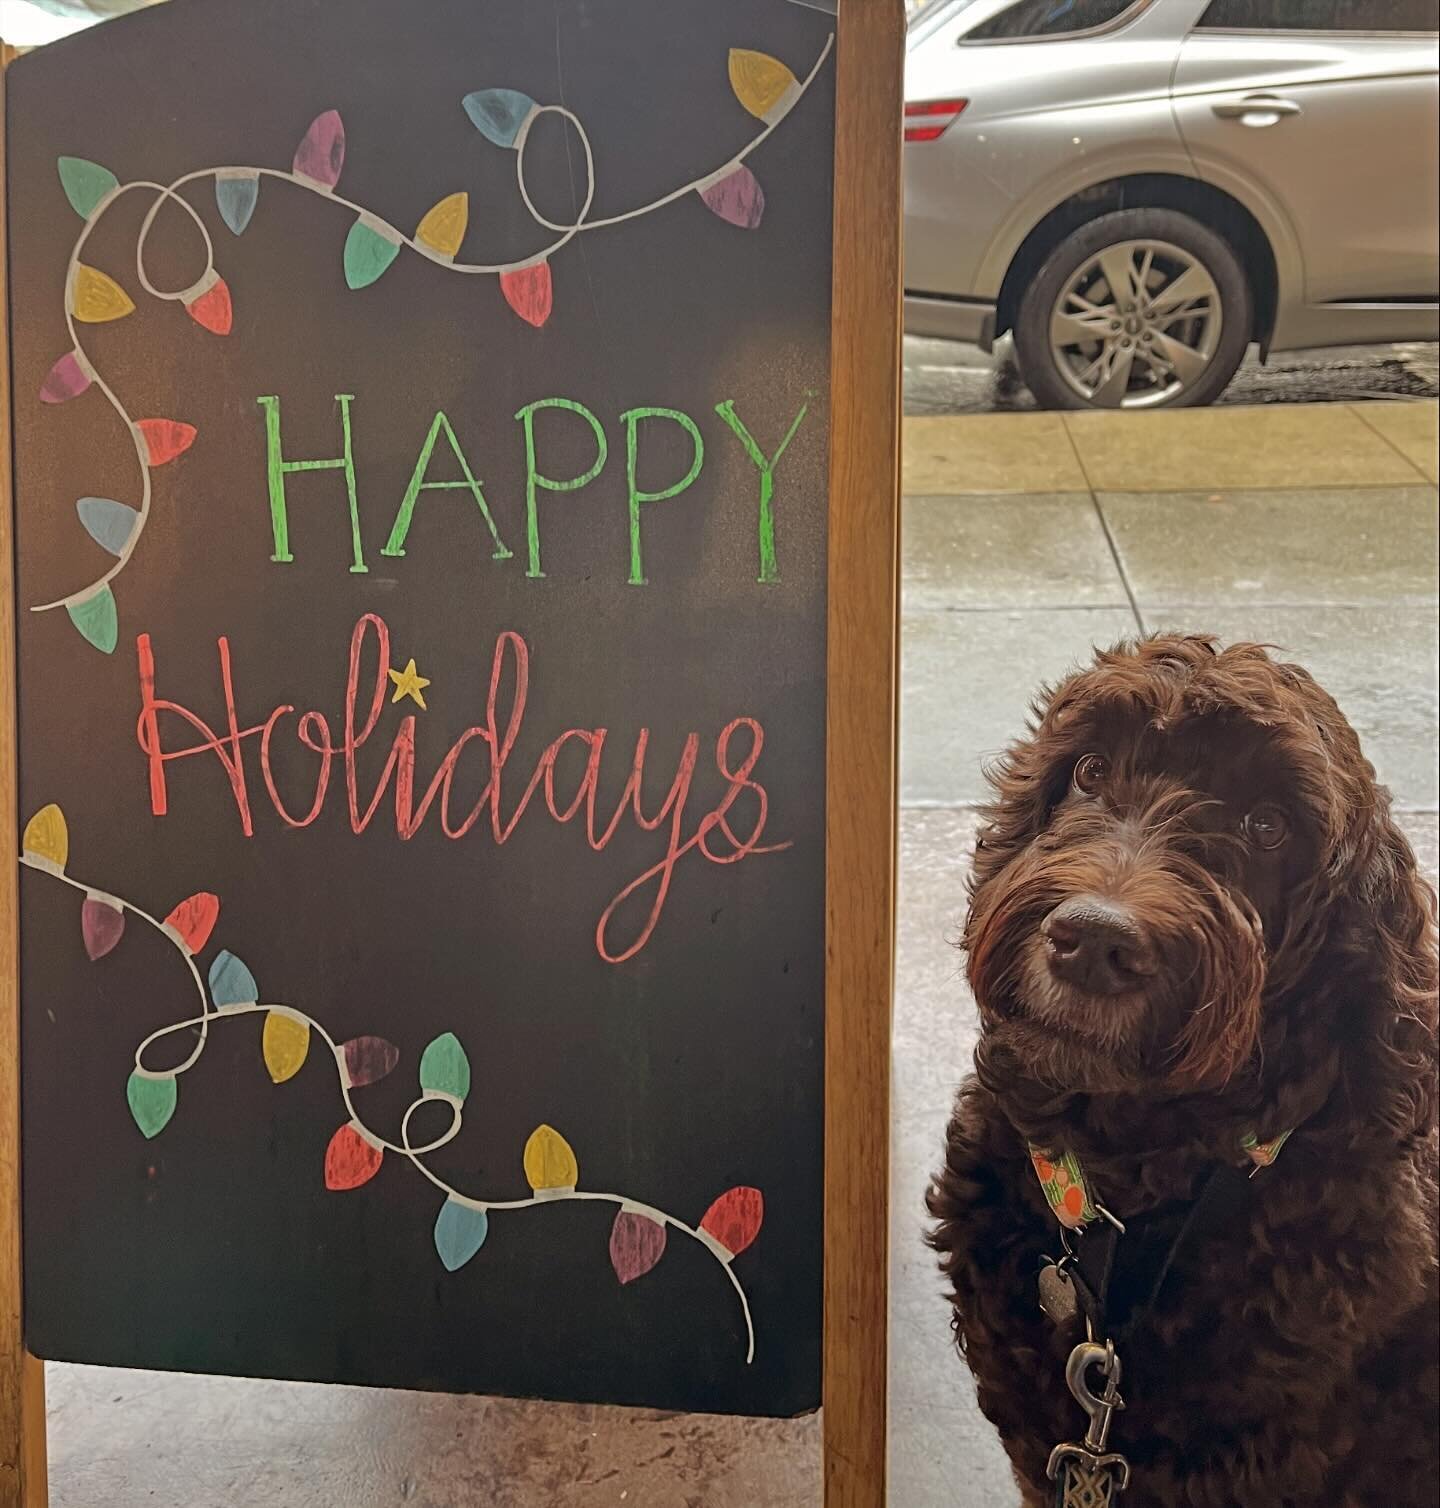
{"x":421,"y":485}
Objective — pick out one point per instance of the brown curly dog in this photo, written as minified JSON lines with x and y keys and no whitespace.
{"x":1194,"y":925}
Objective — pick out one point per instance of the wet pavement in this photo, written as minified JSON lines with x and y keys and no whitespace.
{"x":944,"y":377}
{"x":1028,"y":538}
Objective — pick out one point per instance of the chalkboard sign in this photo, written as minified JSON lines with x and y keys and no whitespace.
{"x":421,"y":420}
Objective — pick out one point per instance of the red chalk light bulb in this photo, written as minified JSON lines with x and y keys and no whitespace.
{"x":734,"y":1219}
{"x":529,"y":292}
{"x":194,"y":919}
{"x":351,"y":1159}
{"x":165,"y":439}
{"x":211,"y":307}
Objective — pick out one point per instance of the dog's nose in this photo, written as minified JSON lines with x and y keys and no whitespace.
{"x":1097,"y":945}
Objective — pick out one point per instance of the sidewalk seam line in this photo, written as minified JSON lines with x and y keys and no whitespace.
{"x":1012,"y":607}
{"x":1247,"y":487}
{"x":1358,"y":410}
{"x":1104,"y":526}
{"x":980,"y":803}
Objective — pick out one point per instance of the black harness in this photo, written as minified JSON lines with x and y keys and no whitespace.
{"x":1113,"y":1274}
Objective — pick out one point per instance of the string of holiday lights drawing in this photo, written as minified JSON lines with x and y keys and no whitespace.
{"x":765,"y":86}
{"x":638,"y":1235}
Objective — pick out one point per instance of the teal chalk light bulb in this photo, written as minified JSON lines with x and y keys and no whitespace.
{"x":460,"y":1231}
{"x":444,"y":1068}
{"x":236,"y":194}
{"x":231,"y":982}
{"x":96,"y":618}
{"x":499,"y":115}
{"x":370,"y":248}
{"x":86,"y":184}
{"x":152,"y":1099}
{"x":108,"y":523}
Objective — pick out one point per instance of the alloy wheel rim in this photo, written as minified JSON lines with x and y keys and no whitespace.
{"x":1137,"y":324}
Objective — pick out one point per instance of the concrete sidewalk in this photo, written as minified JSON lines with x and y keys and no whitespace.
{"x":1028,"y":539}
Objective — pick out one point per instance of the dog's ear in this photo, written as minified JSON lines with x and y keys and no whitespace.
{"x":1398,"y":909}
{"x":1221,"y":1035}
{"x":1024,"y":781}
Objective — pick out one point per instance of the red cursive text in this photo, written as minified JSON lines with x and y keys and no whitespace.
{"x":713,"y":835}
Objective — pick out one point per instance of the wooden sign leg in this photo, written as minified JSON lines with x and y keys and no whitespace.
{"x":22,"y":1377}
{"x":860,"y":827}
{"x":22,"y":1421}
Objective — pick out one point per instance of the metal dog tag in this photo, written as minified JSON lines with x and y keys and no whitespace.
{"x":1058,"y":1301}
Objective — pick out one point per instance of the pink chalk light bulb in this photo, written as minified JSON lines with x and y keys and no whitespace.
{"x":736,"y":197}
{"x":321,"y":155}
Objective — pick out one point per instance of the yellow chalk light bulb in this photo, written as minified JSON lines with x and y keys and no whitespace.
{"x":284,"y":1043}
{"x":47,"y":838}
{"x":549,"y":1161}
{"x":764,"y":85}
{"x":95,"y":299}
{"x":443,"y":227}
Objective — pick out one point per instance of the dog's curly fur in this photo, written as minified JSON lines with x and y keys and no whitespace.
{"x":1290,"y":1359}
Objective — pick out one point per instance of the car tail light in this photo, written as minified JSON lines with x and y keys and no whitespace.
{"x":926,"y":120}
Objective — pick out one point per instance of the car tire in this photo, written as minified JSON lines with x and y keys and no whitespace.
{"x":1135,"y":351}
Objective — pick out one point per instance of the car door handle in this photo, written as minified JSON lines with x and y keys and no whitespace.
{"x":1256,"y":109}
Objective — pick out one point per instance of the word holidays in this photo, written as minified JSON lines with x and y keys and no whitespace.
{"x":498,"y":808}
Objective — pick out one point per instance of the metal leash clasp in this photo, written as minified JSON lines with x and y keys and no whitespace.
{"x":1086,"y":1474}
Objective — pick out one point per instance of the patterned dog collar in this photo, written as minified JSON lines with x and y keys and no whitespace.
{"x":1062,"y":1180}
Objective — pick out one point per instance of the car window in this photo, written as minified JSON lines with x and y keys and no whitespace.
{"x":1322,"y":15}
{"x":925,"y":10}
{"x":1050,"y":18}
{"x":925,"y":17}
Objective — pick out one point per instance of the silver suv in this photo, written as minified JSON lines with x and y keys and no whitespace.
{"x":1138,"y":189}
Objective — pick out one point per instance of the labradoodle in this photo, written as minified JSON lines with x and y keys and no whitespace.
{"x":1200,"y":949}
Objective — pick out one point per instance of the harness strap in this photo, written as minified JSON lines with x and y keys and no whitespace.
{"x":1119,"y":1282}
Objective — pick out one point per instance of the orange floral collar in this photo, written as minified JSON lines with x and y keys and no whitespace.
{"x":1062,"y":1180}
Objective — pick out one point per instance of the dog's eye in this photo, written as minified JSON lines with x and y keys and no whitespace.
{"x":1266,"y":827}
{"x":1091,"y":773}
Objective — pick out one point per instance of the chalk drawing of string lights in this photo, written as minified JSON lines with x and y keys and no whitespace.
{"x":765,"y":86}
{"x":639,"y":1232}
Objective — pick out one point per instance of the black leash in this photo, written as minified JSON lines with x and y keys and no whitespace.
{"x":1114,"y":1275}
{"x":1119,"y":1271}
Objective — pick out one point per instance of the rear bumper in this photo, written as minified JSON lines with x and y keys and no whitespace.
{"x":970,"y":320}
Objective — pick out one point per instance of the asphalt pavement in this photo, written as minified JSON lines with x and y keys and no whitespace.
{"x":945,"y":377}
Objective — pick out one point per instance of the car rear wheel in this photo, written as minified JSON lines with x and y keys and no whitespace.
{"x":1142,"y":308}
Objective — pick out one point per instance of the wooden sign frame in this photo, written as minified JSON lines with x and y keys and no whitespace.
{"x":22,"y":1377}
{"x":861,"y":791}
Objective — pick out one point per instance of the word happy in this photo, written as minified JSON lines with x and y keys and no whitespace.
{"x":505,"y":795}
{"x":635,"y":423}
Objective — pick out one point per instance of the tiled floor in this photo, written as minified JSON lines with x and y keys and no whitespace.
{"x":1028,"y":538}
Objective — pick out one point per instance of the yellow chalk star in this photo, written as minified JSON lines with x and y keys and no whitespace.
{"x":409,"y":683}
